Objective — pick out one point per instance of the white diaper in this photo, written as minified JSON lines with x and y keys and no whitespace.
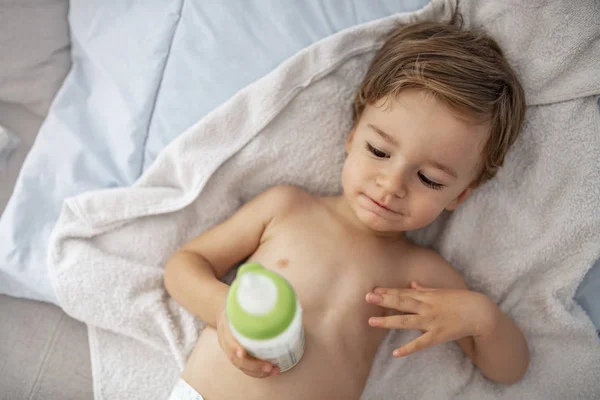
{"x":183,"y":391}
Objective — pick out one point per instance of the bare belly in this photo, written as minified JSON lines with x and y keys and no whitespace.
{"x":329,"y":369}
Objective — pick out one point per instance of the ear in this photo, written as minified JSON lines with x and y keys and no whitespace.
{"x":350,"y":138}
{"x":461,"y":197}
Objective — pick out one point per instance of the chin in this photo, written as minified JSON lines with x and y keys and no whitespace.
{"x":378,"y":224}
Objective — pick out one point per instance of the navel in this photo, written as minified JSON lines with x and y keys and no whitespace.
{"x":283,"y":262}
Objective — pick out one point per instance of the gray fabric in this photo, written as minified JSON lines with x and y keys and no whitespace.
{"x":44,"y":353}
{"x":35,"y":54}
{"x":25,"y":125}
{"x":34,"y":44}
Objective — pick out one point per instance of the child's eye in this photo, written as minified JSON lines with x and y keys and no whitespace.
{"x":429,"y":183}
{"x":376,"y":152}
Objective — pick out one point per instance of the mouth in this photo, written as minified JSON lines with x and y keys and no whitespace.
{"x":382,"y":206}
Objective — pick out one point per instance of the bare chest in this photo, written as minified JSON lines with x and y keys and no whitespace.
{"x":332,"y":272}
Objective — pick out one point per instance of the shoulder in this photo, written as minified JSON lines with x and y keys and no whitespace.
{"x":283,"y":199}
{"x":285,"y":192}
{"x":285,"y":195}
{"x":430,"y":269}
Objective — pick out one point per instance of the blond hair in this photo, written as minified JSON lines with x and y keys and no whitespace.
{"x":464,"y":69}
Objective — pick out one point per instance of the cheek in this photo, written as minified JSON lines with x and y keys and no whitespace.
{"x":426,"y":210}
{"x":352,"y":174}
{"x":346,"y":184}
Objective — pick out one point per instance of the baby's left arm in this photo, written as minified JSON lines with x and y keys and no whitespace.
{"x":447,"y":311}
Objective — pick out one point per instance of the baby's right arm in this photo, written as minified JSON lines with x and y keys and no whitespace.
{"x":192,"y":275}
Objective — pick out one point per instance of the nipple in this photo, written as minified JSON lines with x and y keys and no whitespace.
{"x":256,"y":293}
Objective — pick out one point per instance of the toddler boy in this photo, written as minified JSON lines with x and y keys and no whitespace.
{"x":433,"y":118}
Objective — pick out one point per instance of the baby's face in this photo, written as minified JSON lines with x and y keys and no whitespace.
{"x":409,"y":158}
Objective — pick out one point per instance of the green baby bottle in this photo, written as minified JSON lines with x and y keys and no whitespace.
{"x":265,"y":316}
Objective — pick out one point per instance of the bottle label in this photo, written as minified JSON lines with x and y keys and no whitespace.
{"x":284,"y":356}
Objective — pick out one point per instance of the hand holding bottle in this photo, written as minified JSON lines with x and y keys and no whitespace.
{"x":238,"y":355}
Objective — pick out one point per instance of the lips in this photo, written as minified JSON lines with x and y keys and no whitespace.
{"x":381,"y":206}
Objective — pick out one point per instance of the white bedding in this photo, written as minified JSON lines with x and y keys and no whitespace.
{"x":527,"y":238}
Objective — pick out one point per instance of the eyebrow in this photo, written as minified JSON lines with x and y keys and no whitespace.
{"x":390,"y":138}
{"x":384,"y":135}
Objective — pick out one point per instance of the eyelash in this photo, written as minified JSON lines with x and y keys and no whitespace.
{"x":426,"y":181}
{"x":429,"y":183}
{"x":376,"y":152}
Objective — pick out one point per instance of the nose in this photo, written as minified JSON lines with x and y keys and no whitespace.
{"x":393,"y":182}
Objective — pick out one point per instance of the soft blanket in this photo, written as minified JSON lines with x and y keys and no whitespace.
{"x":526,"y":238}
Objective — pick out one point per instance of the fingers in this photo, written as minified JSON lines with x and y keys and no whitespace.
{"x":397,"y":291}
{"x":252,"y":366}
{"x":241,"y":359}
{"x":420,"y":343}
{"x":399,"y":302}
{"x":392,"y":291}
{"x":406,"y":321}
{"x":415,"y":285}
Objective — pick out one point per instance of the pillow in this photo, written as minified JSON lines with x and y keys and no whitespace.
{"x":141,"y":75}
{"x":220,"y":47}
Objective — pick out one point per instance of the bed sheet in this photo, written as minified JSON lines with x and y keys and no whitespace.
{"x":144,"y":71}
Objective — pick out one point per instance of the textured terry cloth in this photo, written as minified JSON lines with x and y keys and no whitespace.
{"x":525,"y":238}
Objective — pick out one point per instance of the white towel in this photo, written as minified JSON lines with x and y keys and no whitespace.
{"x":526,"y":238}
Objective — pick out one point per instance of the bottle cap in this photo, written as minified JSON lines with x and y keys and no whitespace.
{"x":261,"y":304}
